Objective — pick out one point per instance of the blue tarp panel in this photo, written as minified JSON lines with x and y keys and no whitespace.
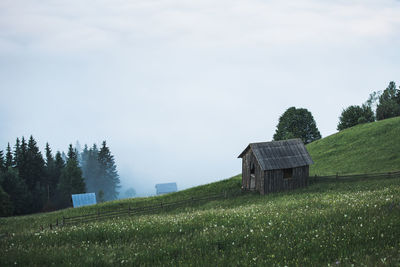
{"x":79,"y":200}
{"x":166,"y":188}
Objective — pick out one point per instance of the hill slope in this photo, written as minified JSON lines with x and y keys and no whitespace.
{"x":328,"y":223}
{"x":365,"y":148}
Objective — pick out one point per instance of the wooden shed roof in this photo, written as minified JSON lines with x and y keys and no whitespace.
{"x":280,"y":154}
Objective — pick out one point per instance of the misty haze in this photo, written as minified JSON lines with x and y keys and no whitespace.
{"x":175,"y":110}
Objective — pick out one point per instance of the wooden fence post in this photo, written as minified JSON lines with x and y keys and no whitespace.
{"x":225,"y":193}
{"x":63,"y":220}
{"x":57,"y":222}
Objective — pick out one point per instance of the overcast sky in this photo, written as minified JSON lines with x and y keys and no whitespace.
{"x":179,"y":88}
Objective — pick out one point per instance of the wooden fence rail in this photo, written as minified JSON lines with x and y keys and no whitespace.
{"x":101,"y":215}
{"x":337,"y":177}
{"x":155,"y":208}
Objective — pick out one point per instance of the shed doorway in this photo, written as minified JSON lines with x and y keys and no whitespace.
{"x":252,"y":177}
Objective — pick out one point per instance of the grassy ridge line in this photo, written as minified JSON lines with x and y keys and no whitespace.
{"x":366,"y":148}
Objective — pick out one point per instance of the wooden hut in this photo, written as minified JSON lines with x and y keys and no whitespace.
{"x":166,"y":188}
{"x":275,"y":166}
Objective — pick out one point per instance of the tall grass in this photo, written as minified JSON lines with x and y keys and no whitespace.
{"x":328,"y":223}
{"x":366,"y":148}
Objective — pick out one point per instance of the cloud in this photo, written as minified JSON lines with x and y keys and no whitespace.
{"x":178,"y":88}
{"x":87,"y":26}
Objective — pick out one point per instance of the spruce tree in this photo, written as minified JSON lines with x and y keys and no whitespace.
{"x":34,"y":172}
{"x":108,"y":174}
{"x":2,"y":162}
{"x":22,"y":160}
{"x":34,"y":166}
{"x":71,"y":180}
{"x":59,"y":166}
{"x":17,"y":153}
{"x":9,"y":158}
{"x":49,"y":183}
{"x":90,"y":169}
{"x":17,"y":190}
{"x":6,"y":205}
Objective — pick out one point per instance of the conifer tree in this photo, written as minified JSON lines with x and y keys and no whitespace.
{"x":22,"y":160}
{"x":6,"y":206}
{"x":17,"y":190}
{"x":49,"y":182}
{"x":71,"y":180}
{"x":90,"y":169}
{"x":59,"y":166}
{"x":2,"y":162}
{"x":17,"y":153}
{"x":108,"y":173}
{"x":33,"y":172}
{"x":34,"y":166}
{"x":9,"y":157}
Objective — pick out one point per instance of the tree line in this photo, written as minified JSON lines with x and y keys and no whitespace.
{"x":32,"y":183}
{"x":379,"y":106}
{"x":300,"y":123}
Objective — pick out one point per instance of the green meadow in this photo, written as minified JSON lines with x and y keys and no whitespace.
{"x":337,"y":223}
{"x":366,"y":148}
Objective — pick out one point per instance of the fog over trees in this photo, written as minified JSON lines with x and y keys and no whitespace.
{"x":32,"y":183}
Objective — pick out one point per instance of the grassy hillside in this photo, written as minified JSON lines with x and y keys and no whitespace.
{"x":366,"y":148}
{"x":35,"y":221}
{"x":329,"y":223}
{"x":326,"y":223}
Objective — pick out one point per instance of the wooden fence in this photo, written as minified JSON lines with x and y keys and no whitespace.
{"x":353,"y":177}
{"x":149,"y":209}
{"x":164,"y":206}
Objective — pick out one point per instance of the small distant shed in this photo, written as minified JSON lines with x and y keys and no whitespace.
{"x":166,"y":188}
{"x":275,"y":166}
{"x":86,"y":199}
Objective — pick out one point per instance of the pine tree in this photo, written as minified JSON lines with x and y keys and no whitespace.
{"x":34,"y":166}
{"x":90,"y":169}
{"x":9,"y":157}
{"x":71,"y":180}
{"x":2,"y":162}
{"x":6,"y":205}
{"x":49,"y":183}
{"x":21,"y":162}
{"x":108,"y":174}
{"x":59,"y":166}
{"x":17,"y":153}
{"x":17,"y":190}
{"x":34,"y":172}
